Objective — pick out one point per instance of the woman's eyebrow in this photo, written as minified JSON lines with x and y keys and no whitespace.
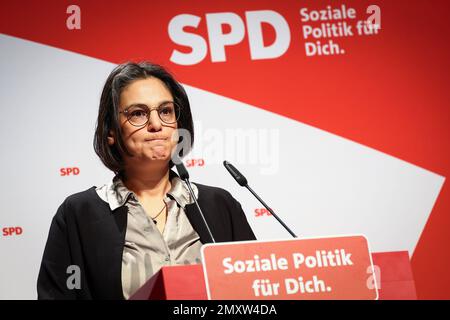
{"x":137,"y":104}
{"x":132,"y":105}
{"x":164,"y":102}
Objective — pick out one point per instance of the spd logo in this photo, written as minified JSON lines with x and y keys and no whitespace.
{"x":11,"y":231}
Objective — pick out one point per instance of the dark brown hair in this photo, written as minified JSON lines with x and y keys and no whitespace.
{"x":108,"y":113}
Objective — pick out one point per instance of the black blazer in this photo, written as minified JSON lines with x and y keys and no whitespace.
{"x":85,"y":232}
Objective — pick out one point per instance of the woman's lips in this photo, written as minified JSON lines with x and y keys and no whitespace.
{"x":156,"y":139}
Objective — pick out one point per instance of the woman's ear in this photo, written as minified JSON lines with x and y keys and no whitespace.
{"x":111,"y":139}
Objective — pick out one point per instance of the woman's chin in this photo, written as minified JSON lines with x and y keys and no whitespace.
{"x":159,"y":155}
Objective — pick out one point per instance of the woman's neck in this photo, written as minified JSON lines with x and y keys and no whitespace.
{"x":150,"y":182}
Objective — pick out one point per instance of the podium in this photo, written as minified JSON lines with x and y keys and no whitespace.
{"x":187,"y":282}
{"x":184,"y":282}
{"x":397,"y":281}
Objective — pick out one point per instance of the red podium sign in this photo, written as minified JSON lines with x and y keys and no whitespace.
{"x":305,"y":269}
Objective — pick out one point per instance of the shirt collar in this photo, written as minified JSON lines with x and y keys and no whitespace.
{"x":116,"y":194}
{"x":180,"y":192}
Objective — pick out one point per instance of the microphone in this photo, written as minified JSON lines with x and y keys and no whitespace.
{"x":184,"y":175}
{"x":242,"y":181}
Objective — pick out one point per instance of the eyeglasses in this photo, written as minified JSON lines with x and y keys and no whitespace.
{"x":139,"y":114}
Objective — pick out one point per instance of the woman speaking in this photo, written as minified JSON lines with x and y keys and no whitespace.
{"x":116,"y":236}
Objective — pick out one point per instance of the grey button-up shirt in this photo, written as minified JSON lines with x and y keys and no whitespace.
{"x":146,"y":250}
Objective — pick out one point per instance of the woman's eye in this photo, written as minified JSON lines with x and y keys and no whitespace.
{"x":166,"y":110}
{"x":139,"y":113}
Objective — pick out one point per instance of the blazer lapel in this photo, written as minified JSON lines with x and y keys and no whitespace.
{"x":120,"y":218}
{"x":198,"y":224}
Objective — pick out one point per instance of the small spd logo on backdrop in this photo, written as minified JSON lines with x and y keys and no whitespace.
{"x":12,"y":231}
{"x":69,"y":171}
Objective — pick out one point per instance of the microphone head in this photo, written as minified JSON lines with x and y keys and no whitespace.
{"x":184,"y":175}
{"x":235,"y":173}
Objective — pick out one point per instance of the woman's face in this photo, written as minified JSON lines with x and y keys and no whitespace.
{"x":153,"y":141}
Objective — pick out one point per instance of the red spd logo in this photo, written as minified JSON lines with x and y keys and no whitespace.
{"x":73,"y":171}
{"x":259,"y":212}
{"x":195,"y":163}
{"x":239,"y":29}
{"x":11,"y":231}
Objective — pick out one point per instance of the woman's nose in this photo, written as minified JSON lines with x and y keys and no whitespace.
{"x":154,"y":122}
